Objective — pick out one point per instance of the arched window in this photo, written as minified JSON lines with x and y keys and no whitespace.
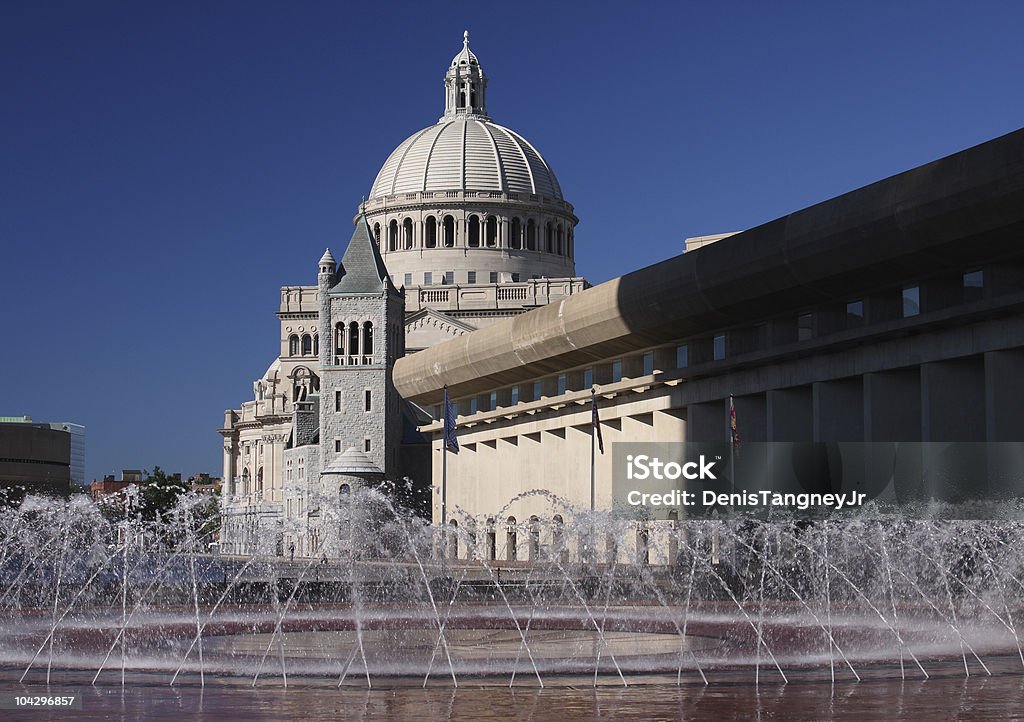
{"x":570,"y":243}
{"x":376,"y":233}
{"x":453,"y":539}
{"x":559,"y":237}
{"x":491,"y":552}
{"x":316,"y":345}
{"x":431,"y":232}
{"x":344,"y":490}
{"x":367,"y":338}
{"x":339,"y":339}
{"x":643,"y":545}
{"x":393,"y":236}
{"x":449,"y":232}
{"x":491,"y":232}
{"x":473,"y":228}
{"x":549,"y":237}
{"x":353,"y":339}
{"x":558,"y":537}
{"x":259,"y":481}
{"x":407,"y":233}
{"x":245,"y":481}
{"x":462,"y":98}
{"x":534,"y":538}
{"x":516,"y":241}
{"x":293,"y":345}
{"x":510,"y":540}
{"x":531,"y":235}
{"x":307,"y":345}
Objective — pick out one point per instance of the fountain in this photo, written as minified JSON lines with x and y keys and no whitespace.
{"x":869,"y":597}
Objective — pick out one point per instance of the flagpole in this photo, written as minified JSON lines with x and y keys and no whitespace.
{"x":593,"y":457}
{"x":444,"y":485}
{"x":732,"y":444}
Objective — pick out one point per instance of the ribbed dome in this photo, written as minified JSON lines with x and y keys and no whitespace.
{"x":466,"y":153}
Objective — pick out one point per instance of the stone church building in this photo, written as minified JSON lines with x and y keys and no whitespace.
{"x":465,"y":226}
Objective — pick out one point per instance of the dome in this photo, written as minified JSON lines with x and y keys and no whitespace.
{"x":466,"y":153}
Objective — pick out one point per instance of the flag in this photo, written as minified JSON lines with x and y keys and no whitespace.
{"x":734,"y":431}
{"x":595,"y":422}
{"x":451,"y":442}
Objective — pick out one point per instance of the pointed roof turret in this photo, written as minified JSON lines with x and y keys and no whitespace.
{"x":327,"y":258}
{"x":465,"y":85}
{"x":362,"y":266}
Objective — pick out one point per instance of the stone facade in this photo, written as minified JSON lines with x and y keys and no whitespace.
{"x":487,"y":235}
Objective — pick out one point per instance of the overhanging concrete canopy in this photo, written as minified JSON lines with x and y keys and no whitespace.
{"x":929,"y":220}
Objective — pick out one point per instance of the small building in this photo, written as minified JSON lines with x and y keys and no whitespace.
{"x":35,"y":458}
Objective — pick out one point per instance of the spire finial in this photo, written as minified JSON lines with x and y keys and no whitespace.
{"x":465,"y":38}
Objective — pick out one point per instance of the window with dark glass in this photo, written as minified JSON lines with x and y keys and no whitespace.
{"x":805,"y":327}
{"x":855,"y":313}
{"x":974,"y":285}
{"x":718,"y":347}
{"x":682,"y":356}
{"x":911,"y":301}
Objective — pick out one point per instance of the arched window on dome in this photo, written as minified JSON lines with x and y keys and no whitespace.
{"x":293,"y":345}
{"x":549,"y":237}
{"x":531,"y":235}
{"x":449,"y":232}
{"x":516,"y":241}
{"x":462,"y":98}
{"x":376,"y":233}
{"x":407,"y":233}
{"x":353,"y":340}
{"x":307,"y":345}
{"x":473,"y":228}
{"x":559,"y":240}
{"x":367,"y":339}
{"x":570,"y":249}
{"x":430,"y":229}
{"x":491,"y":232}
{"x":393,"y":236}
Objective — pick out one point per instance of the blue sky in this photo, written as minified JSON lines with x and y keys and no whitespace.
{"x":167,"y":166}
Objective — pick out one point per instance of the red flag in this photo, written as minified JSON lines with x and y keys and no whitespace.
{"x":733,"y":428}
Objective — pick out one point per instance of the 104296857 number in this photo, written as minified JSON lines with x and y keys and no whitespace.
{"x":44,"y":701}
{"x":20,"y":701}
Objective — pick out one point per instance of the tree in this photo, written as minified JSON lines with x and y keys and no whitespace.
{"x":159,"y":494}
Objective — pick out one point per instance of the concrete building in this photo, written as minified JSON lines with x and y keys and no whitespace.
{"x":35,"y":458}
{"x":891,"y":313}
{"x":77,"y":433}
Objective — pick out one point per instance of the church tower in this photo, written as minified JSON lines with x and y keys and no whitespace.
{"x":361,"y":321}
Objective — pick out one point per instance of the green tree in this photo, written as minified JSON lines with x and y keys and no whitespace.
{"x":159,"y":494}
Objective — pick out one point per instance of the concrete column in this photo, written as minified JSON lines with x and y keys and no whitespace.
{"x":1004,"y":395}
{"x":789,"y":414}
{"x":838,"y":408}
{"x":892,"y":405}
{"x":751,"y":417}
{"x":953,"y":400}
{"x":706,"y":422}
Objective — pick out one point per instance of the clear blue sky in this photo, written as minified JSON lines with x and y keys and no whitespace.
{"x":167,"y":166}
